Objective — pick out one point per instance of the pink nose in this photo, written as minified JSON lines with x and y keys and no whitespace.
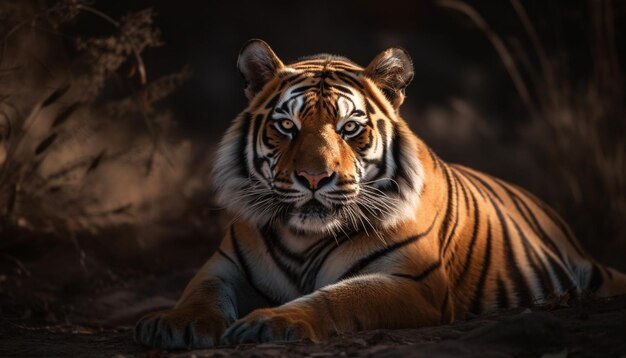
{"x":313,"y":181}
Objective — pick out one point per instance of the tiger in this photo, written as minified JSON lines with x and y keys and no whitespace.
{"x":345,"y":220}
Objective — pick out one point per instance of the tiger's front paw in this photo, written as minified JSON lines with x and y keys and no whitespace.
{"x":273,"y":324}
{"x":179,"y":329}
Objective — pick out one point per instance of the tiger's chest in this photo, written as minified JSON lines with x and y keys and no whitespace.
{"x":289,"y":268}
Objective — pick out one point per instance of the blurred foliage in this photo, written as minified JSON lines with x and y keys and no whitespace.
{"x":76,"y":154}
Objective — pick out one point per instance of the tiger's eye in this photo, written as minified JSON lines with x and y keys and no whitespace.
{"x":286,"y":124}
{"x":350,"y":127}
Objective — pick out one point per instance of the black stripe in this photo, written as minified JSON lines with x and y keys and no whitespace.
{"x":455,"y":200}
{"x":485,"y":185}
{"x":432,"y":158}
{"x":502,"y":296}
{"x":316,"y":248}
{"x":475,"y":304}
{"x":313,"y":267}
{"x":379,"y":104}
{"x":340,"y":192}
{"x":277,"y":242}
{"x":306,"y":108}
{"x":364,"y":262}
{"x":285,"y":106}
{"x":557,"y":220}
{"x":347,"y":78}
{"x":535,"y":225}
{"x":265,"y":141}
{"x":289,"y":78}
{"x":286,"y":191}
{"x":382,"y":163}
{"x":346,"y":67}
{"x":471,"y":182}
{"x":472,"y":243}
{"x":272,"y":102}
{"x":246,"y":268}
{"x":291,"y":275}
{"x":530,"y":218}
{"x":536,"y":263}
{"x":349,"y":181}
{"x":461,"y":184}
{"x":443,"y":233}
{"x":444,"y":312}
{"x":422,"y":275}
{"x":342,"y":89}
{"x":223,"y":254}
{"x":302,"y":89}
{"x":522,"y":290}
{"x":369,"y":108}
{"x":256,"y":159}
{"x":397,"y":158}
{"x":564,"y":279}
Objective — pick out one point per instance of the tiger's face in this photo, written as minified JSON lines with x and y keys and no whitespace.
{"x":317,"y":141}
{"x":320,"y":148}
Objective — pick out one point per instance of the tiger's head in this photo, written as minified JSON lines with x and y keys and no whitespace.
{"x":321,"y":147}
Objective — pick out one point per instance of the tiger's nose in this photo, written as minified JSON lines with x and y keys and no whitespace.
{"x":314,"y":181}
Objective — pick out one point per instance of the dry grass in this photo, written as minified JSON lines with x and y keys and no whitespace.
{"x":71,"y":159}
{"x":575,"y":128}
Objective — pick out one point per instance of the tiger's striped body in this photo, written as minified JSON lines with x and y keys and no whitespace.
{"x":348,"y":221}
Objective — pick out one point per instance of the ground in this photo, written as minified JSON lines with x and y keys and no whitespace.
{"x":592,"y":329}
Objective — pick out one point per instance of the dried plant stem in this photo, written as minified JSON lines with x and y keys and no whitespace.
{"x":498,"y":45}
{"x":144,"y":105}
{"x":140,"y":65}
{"x":546,"y":68}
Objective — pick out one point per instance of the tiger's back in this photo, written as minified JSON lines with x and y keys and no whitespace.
{"x":505,"y":248}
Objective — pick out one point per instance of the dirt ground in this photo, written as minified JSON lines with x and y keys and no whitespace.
{"x":592,"y":329}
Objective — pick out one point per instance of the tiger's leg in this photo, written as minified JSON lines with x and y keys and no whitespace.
{"x":207,"y":307}
{"x":364,"y":302}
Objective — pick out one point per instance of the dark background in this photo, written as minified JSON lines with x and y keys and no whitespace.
{"x":452,"y":58}
{"x":462,"y":101}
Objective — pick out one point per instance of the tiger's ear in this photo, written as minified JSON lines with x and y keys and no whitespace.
{"x":258,"y":64}
{"x":392,"y":71}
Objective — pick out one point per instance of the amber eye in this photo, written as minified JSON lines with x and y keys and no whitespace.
{"x":350,"y":129}
{"x":286,"y":125}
